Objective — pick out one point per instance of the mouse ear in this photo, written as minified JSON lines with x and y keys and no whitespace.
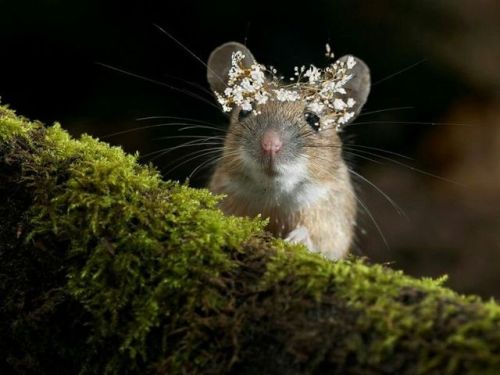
{"x":358,"y":87}
{"x":219,"y":64}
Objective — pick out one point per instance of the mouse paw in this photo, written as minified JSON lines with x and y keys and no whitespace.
{"x":300,"y":235}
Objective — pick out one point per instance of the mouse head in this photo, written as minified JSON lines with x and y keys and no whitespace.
{"x":277,"y":125}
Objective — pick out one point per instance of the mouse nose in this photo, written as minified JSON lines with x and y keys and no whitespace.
{"x":271,"y":142}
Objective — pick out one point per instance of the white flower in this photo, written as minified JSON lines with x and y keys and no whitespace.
{"x":246,"y":106}
{"x":261,"y":97}
{"x":316,"y":107}
{"x":313,"y":73}
{"x":247,"y":85}
{"x":237,"y":96}
{"x":284,"y":95}
{"x":327,"y":89}
{"x":339,"y":104}
{"x":350,"y":62}
{"x":223,"y":102}
{"x":257,"y":75}
{"x":351,"y":102}
{"x":328,"y":52}
{"x":344,"y":80}
{"x":236,"y":57}
{"x":345,"y":117}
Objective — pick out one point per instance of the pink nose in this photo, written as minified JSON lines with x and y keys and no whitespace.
{"x":271,"y":142}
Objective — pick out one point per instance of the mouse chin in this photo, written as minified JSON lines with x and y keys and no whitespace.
{"x":270,"y":166}
{"x":276,"y":170}
{"x":284,"y":173}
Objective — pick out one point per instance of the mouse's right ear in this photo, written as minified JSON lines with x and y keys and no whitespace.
{"x":219,"y":64}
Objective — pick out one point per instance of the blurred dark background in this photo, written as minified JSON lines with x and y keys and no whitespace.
{"x":437,"y":62}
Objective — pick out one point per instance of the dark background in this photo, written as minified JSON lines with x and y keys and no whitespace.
{"x":440,"y":58}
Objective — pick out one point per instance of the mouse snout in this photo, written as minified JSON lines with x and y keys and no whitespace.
{"x":271,"y":142}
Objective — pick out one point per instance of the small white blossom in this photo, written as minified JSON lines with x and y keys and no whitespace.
{"x":237,"y":57}
{"x":284,"y":95}
{"x":247,"y":85}
{"x":313,"y":73}
{"x":339,"y":104}
{"x":351,"y":62}
{"x":238,"y":96}
{"x":246,"y":106}
{"x":261,"y":97}
{"x":345,"y":117}
{"x":328,"y":52}
{"x":223,"y":101}
{"x":257,"y":75}
{"x":344,"y":80}
{"x":316,"y":107}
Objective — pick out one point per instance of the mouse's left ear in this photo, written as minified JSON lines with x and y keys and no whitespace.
{"x":219,"y":64}
{"x":358,"y":87}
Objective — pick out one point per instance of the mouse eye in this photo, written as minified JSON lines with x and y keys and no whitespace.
{"x":312,"y":119}
{"x":243,"y":114}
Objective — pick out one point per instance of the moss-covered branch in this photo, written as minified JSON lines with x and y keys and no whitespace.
{"x":105,"y":268}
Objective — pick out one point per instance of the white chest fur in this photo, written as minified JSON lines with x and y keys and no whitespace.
{"x":291,"y":189}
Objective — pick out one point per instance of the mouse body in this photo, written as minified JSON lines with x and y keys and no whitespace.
{"x":280,"y":161}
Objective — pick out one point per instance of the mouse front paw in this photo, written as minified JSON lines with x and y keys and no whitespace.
{"x":300,"y":235}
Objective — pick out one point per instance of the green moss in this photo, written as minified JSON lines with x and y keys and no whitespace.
{"x":11,"y":124}
{"x":105,"y":268}
{"x":394,"y":314}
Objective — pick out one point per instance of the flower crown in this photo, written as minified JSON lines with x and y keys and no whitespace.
{"x":323,"y":90}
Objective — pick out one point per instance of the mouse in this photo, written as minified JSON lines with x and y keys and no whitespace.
{"x":282,"y":156}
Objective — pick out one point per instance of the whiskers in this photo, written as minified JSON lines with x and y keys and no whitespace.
{"x":418,"y":123}
{"x":322,"y":165}
{"x":204,"y":150}
{"x":190,"y":93}
{"x":188,"y":123}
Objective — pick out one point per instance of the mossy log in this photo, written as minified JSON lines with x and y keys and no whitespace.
{"x":105,"y":268}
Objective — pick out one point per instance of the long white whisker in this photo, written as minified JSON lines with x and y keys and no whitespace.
{"x":199,"y":137}
{"x":207,"y":162}
{"x":386,"y":196}
{"x":410,"y":123}
{"x":195,"y":143}
{"x":192,"y":120}
{"x":355,"y":153}
{"x":356,"y":147}
{"x":365,"y":207}
{"x":193,"y":84}
{"x":183,"y":46}
{"x":148,"y":127}
{"x":399,"y":72}
{"x":384,"y":110}
{"x":201,"y":127}
{"x":141,"y":77}
{"x":201,"y":152}
{"x":404,"y":165}
{"x":206,"y":153}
